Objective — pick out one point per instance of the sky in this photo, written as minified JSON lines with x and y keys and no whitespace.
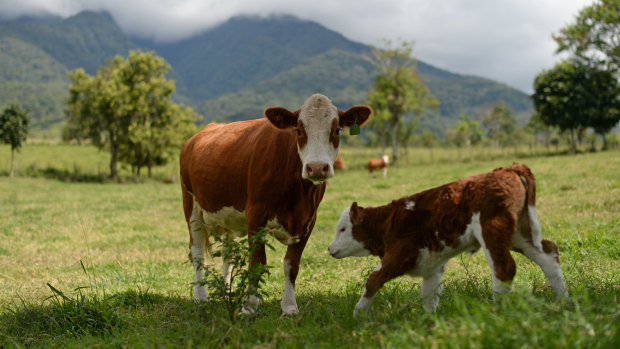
{"x":504,"y":40}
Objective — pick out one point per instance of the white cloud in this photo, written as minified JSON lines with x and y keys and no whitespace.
{"x":505,"y":40}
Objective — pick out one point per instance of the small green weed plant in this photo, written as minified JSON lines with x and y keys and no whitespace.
{"x":245,"y":280}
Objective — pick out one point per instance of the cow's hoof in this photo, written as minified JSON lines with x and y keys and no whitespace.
{"x":290,"y":310}
{"x":200,"y":294}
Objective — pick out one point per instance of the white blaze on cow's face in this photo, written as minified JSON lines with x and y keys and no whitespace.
{"x":318,"y":131}
{"x":344,"y":244}
{"x":317,"y":124}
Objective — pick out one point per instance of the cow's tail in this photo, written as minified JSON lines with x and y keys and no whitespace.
{"x":527,"y":178}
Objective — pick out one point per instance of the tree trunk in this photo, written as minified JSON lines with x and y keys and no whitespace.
{"x":394,"y":142}
{"x":150,"y":173}
{"x":11,"y":174}
{"x":382,"y":141}
{"x":605,"y":145}
{"x":573,"y":142}
{"x":113,"y":156}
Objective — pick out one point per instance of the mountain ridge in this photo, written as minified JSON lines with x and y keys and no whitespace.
{"x":229,"y":72}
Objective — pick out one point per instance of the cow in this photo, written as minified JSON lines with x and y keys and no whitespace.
{"x":339,"y":164}
{"x":266,"y":173}
{"x":377,"y":164}
{"x":418,"y":234}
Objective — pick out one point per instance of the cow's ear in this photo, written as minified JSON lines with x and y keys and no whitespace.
{"x":281,"y":117}
{"x":356,"y":214}
{"x":358,"y":114}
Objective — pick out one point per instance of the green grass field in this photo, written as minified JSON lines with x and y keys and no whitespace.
{"x":118,"y":255}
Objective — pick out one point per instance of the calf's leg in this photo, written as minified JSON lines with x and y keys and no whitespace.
{"x":431,"y":290}
{"x":382,"y":274}
{"x":495,"y":237}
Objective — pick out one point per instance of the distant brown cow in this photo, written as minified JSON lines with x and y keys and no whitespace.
{"x":267,"y":173}
{"x":418,"y":234}
{"x":378,"y":164}
{"x":339,"y":164}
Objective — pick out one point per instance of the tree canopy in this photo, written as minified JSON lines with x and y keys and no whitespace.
{"x":397,"y":90}
{"x":573,"y":95}
{"x":594,"y":37}
{"x":14,"y":123}
{"x":127,"y":107}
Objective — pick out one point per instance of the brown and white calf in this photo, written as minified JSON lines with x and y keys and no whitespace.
{"x":239,"y":177}
{"x":379,"y":164}
{"x":418,"y":234}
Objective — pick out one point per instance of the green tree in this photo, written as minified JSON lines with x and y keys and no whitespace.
{"x":397,"y":90}
{"x":127,"y":107}
{"x":428,"y":140}
{"x":557,"y":98}
{"x":594,"y":37}
{"x":500,"y":125}
{"x":466,"y":132}
{"x":572,"y":96}
{"x":14,"y":130}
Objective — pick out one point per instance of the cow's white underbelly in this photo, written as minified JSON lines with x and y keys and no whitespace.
{"x":234,"y":221}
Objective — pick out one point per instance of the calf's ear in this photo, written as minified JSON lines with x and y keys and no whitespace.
{"x":282,"y":118}
{"x":356,"y":214}
{"x":358,"y":114}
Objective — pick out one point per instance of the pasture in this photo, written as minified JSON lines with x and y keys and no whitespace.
{"x":116,"y":257}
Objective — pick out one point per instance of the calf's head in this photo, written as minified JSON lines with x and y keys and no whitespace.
{"x":349,"y":235}
{"x":317,"y":125}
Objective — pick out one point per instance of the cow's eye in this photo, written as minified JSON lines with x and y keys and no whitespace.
{"x":338,"y":131}
{"x":298,"y":131}
{"x":341,"y":230}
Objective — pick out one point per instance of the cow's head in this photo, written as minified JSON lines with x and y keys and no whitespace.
{"x":317,"y":125}
{"x":349,"y":240}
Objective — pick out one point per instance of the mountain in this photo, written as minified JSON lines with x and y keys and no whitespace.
{"x":230,"y":72}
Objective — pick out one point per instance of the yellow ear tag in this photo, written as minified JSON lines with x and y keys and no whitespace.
{"x":354,"y":129}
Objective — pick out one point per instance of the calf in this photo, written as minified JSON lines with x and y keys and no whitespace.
{"x":267,"y":173}
{"x":418,"y":234}
{"x":378,"y":164}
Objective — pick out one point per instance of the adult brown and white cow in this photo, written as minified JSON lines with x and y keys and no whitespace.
{"x":418,"y":234}
{"x":239,"y":177}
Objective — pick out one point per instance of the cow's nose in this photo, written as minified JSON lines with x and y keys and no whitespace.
{"x":317,"y":170}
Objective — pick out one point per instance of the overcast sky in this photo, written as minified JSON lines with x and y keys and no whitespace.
{"x":505,"y":40}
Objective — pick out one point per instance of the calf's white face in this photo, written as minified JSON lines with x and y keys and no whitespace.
{"x":344,"y":244}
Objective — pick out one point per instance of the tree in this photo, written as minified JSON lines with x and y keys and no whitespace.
{"x":594,"y":37}
{"x":466,"y":132}
{"x":127,"y":107}
{"x":572,"y":95}
{"x":500,"y":125}
{"x":557,"y":98}
{"x":14,"y":129}
{"x":397,"y":90}
{"x":428,"y":140}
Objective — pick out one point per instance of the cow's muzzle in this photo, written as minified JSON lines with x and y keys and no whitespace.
{"x":318,"y":171}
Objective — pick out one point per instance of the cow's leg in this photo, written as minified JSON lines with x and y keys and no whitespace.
{"x":385,"y":172}
{"x":431,"y":290}
{"x":291,"y":268}
{"x":382,"y":274}
{"x":495,"y":237}
{"x":226,"y":265}
{"x":198,"y":240}
{"x":258,"y":257}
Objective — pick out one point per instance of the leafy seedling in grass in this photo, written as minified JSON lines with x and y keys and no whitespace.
{"x":244,"y":281}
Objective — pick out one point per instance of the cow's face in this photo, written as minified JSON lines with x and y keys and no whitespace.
{"x":317,"y":125}
{"x":345,"y":243}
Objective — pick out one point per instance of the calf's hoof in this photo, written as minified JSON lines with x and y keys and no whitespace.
{"x":290,"y":310}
